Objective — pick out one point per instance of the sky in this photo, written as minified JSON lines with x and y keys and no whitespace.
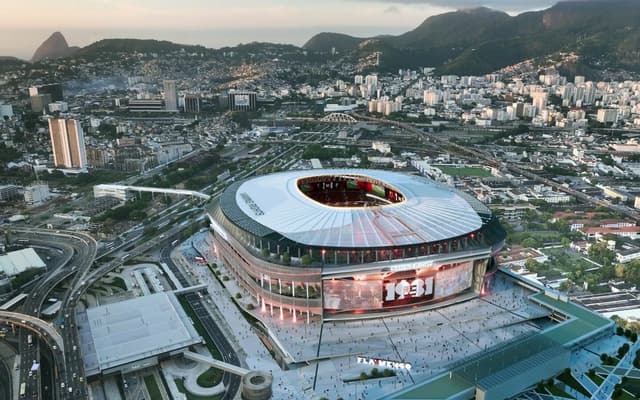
{"x":214,"y":23}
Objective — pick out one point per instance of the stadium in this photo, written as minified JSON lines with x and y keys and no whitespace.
{"x":353,"y":243}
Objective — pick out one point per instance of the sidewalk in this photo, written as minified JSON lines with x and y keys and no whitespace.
{"x":286,"y":384}
{"x":177,"y":368}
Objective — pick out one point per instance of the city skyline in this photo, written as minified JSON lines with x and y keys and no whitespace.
{"x":218,"y":24}
{"x":339,"y":200}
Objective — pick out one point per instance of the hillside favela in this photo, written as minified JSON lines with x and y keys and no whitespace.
{"x":337,"y":200}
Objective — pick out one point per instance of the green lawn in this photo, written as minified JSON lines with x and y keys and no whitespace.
{"x":632,"y":385}
{"x":119,"y":282}
{"x":210,"y":377}
{"x":558,"y":392}
{"x":612,"y":361}
{"x":597,"y":379}
{"x":215,"y":353}
{"x":625,"y":396}
{"x":572,"y":382}
{"x":190,"y":396}
{"x":464,"y":171}
{"x":152,"y":387}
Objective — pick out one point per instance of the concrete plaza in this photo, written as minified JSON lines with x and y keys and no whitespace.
{"x":430,"y":341}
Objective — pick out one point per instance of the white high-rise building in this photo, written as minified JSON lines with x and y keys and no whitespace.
{"x":170,"y":96}
{"x":371,"y":81}
{"x":539,"y":100}
{"x":606,"y":115}
{"x":67,"y":143}
{"x":432,"y":97}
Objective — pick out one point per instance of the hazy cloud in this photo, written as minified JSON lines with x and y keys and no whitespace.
{"x":392,"y":10}
{"x":505,"y":5}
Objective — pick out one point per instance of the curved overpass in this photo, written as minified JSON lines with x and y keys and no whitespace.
{"x":83,"y":251}
{"x":34,"y":324}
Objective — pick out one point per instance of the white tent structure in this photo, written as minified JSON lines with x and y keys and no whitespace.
{"x":19,"y":261}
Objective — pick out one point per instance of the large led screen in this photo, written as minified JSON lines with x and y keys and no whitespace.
{"x":348,"y":294}
{"x":403,"y":288}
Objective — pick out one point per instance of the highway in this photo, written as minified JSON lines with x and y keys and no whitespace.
{"x":5,"y":381}
{"x":78,"y":252}
{"x":78,"y":255}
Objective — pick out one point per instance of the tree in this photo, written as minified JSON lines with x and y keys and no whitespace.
{"x":363,"y":376}
{"x":305,"y":259}
{"x":241,"y":118}
{"x":565,"y":285}
{"x":601,"y":254}
{"x":533,"y":265}
{"x":566,"y":242}
{"x":149,"y":230}
{"x":530,"y":242}
{"x":286,"y":258}
{"x":632,"y":272}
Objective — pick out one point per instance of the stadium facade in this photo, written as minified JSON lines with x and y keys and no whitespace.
{"x":353,"y":243}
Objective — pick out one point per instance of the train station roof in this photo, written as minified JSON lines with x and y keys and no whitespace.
{"x":132,"y":330}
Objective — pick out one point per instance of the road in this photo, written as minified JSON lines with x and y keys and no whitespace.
{"x":7,"y":351}
{"x":490,"y":160}
{"x":231,"y":381}
{"x":78,"y":250}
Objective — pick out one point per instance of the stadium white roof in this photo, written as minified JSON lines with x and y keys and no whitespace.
{"x":430,"y":211}
{"x":19,"y":261}
{"x":136,"y":329}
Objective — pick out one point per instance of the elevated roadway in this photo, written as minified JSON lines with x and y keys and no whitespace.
{"x":35,"y":325}
{"x":82,"y":249}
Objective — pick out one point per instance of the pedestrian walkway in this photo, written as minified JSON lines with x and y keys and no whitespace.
{"x":204,"y":359}
{"x":187,"y":370}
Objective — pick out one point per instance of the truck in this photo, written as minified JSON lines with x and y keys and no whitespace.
{"x":30,"y":339}
{"x":23,"y":389}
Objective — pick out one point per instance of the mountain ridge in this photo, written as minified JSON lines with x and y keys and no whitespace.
{"x":483,"y":40}
{"x":55,"y":46}
{"x":604,"y":33}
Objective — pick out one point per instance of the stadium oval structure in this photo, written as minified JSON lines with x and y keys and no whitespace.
{"x":353,"y":243}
